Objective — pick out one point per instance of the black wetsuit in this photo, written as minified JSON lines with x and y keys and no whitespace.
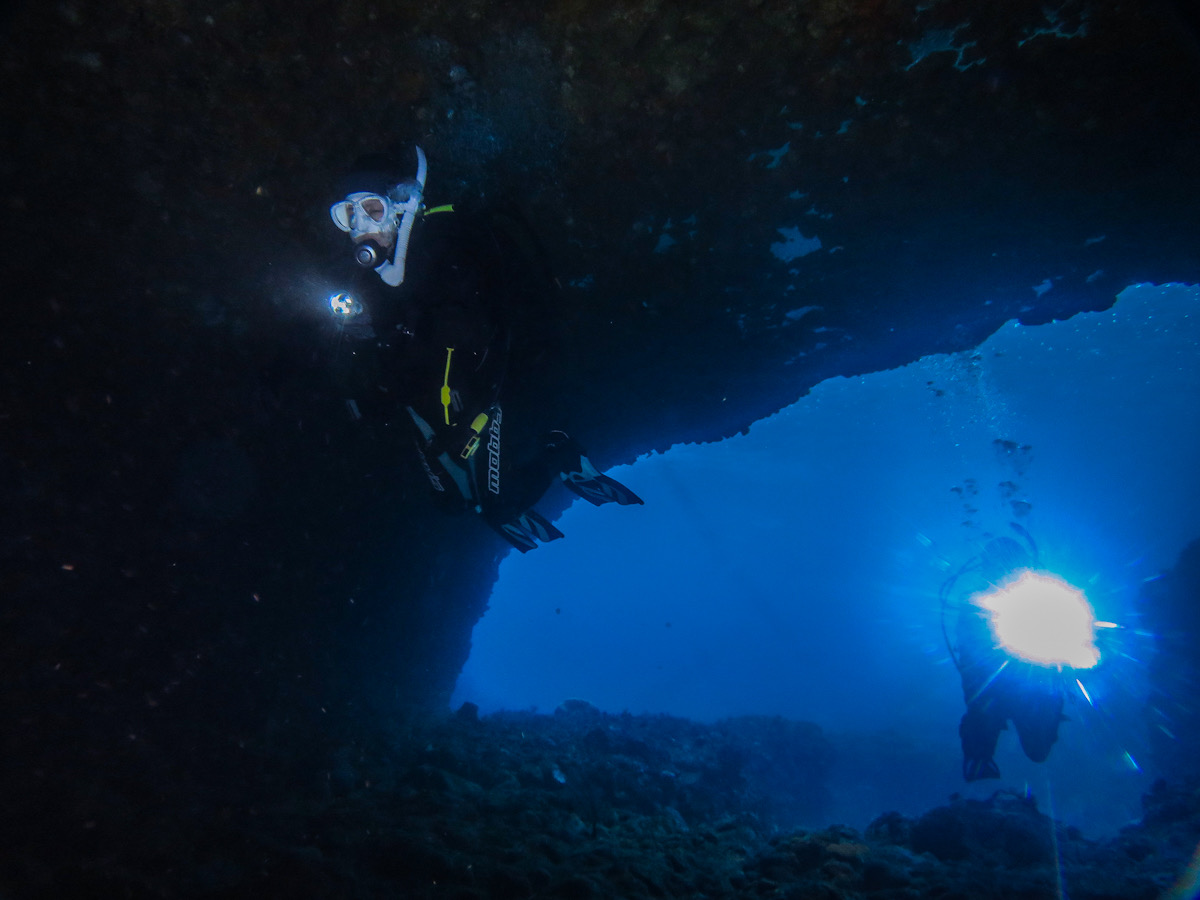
{"x":1030,"y":696}
{"x":438,"y":351}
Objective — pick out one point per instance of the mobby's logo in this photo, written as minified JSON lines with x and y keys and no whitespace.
{"x":494,"y":454}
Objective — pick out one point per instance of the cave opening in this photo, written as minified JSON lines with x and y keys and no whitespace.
{"x":795,"y":570}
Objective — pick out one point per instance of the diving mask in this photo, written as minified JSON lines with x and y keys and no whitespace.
{"x":364,"y":213}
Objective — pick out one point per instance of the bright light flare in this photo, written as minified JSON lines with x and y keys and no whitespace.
{"x":1083,"y":690}
{"x":344,"y":305}
{"x":1043,"y":620}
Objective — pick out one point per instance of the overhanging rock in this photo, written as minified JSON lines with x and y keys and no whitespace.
{"x":751,"y":198}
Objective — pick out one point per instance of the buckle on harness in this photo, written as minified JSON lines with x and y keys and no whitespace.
{"x":480,"y":422}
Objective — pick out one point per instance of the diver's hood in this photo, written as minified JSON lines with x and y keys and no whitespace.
{"x":378,"y":214}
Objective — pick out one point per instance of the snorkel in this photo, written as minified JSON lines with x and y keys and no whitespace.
{"x":393,"y":272}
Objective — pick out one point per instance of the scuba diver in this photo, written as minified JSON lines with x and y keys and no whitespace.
{"x":998,"y":687}
{"x":455,"y":320}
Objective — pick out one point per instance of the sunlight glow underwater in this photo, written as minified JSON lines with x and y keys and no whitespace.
{"x":1041,"y":619}
{"x":793,"y":571}
{"x":691,"y":606}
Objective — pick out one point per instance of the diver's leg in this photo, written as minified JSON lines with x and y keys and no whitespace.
{"x":1037,"y":722}
{"x":520,"y":475}
{"x":510,"y":490}
{"x":979,"y":731}
{"x":451,"y":478}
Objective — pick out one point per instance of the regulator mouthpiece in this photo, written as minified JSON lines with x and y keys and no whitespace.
{"x":369,"y":255}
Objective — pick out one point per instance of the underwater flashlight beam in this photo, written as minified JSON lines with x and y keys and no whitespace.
{"x":1043,"y":620}
{"x":344,"y":305}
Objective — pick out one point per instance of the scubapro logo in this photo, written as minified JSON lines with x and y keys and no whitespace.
{"x":494,"y":454}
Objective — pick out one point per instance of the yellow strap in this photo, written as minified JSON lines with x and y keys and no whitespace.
{"x":446,"y":385}
{"x":446,"y":207}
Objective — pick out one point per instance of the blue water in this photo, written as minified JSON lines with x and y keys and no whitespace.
{"x":795,"y":570}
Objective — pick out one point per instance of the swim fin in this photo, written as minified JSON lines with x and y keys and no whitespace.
{"x":525,"y":530}
{"x":978,"y":769}
{"x":587,"y":481}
